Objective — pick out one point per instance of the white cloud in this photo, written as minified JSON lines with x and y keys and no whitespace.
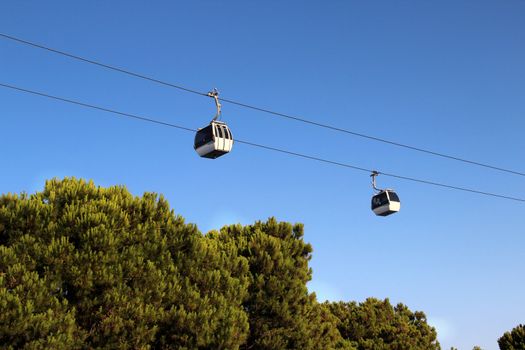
{"x":325,"y":291}
{"x":444,"y":328}
{"x":222,"y":218}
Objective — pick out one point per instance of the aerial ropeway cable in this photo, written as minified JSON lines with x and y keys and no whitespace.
{"x":264,"y":110}
{"x":382,"y":206}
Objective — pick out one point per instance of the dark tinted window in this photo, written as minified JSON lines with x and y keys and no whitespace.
{"x":204,"y":136}
{"x":393,"y":196}
{"x":225,"y":132}
{"x":379,"y":200}
{"x":219,"y":131}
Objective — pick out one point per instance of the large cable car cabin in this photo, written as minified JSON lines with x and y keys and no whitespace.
{"x":384,"y":202}
{"x":215,"y":139}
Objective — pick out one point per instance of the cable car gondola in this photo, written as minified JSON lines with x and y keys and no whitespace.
{"x":384,"y":202}
{"x":215,"y":139}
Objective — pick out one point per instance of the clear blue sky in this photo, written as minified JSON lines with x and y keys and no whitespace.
{"x":444,"y":75}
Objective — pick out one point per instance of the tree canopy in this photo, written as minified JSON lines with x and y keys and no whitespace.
{"x":377,"y":325}
{"x":513,"y":340}
{"x":83,"y":266}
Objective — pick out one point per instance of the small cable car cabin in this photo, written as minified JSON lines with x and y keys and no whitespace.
{"x":386,"y":202}
{"x":213,"y":140}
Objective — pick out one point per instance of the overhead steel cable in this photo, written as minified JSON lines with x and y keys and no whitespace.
{"x":374,"y":138}
{"x":134,"y":116}
{"x":275,"y":149}
{"x":103,"y":65}
{"x":264,"y":110}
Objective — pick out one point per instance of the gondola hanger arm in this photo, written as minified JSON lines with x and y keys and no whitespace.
{"x":374,"y":174}
{"x":215,"y":95}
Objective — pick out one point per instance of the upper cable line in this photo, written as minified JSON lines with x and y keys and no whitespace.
{"x":275,"y":149}
{"x":267,"y":111}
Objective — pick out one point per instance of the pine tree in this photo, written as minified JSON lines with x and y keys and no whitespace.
{"x":376,"y":324}
{"x":513,"y":340}
{"x":80,"y":264}
{"x":282,"y":314}
{"x":88,"y":267}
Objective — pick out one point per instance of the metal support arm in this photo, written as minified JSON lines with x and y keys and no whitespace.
{"x":373,"y":176}
{"x":215,"y":95}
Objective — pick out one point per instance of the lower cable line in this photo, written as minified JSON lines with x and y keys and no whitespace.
{"x":275,"y":149}
{"x":128,"y":115}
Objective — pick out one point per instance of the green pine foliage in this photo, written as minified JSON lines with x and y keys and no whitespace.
{"x":377,"y":325}
{"x":86,"y":267}
{"x":282,"y":314}
{"x":513,"y":340}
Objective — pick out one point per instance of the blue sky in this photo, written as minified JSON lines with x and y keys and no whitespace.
{"x":442,"y":75}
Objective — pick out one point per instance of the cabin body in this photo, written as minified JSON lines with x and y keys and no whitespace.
{"x":213,"y":140}
{"x":386,"y":202}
